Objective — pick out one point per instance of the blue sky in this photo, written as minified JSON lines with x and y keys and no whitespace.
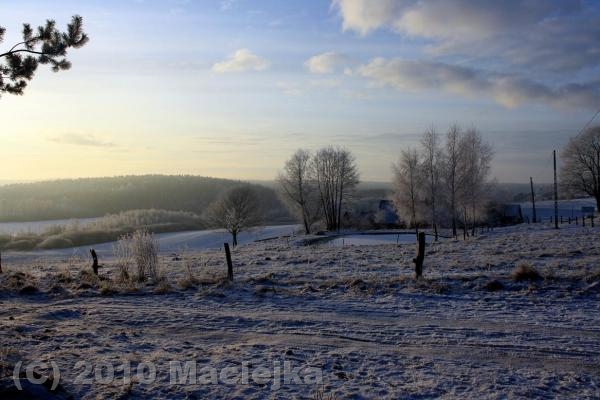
{"x":232,"y":88}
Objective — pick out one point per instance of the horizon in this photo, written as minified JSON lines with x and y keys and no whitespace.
{"x":8,"y":182}
{"x":230,"y":89}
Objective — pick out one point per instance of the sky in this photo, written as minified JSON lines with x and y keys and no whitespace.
{"x":231,"y":88}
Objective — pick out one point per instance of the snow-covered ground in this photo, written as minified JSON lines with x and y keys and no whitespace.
{"x":353,"y":312}
{"x":168,"y":243}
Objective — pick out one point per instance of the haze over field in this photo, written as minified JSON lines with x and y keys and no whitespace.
{"x":231,"y":88}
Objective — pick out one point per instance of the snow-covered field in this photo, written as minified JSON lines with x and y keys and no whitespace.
{"x":354,"y":313}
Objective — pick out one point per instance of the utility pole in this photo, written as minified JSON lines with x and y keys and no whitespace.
{"x":533,"y":200}
{"x":555,"y":193}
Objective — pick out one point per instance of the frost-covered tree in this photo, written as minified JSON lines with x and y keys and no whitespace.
{"x":45,"y":45}
{"x":298,"y":189}
{"x":451,"y":171}
{"x":580,"y":173}
{"x":236,"y":210}
{"x":432,"y":168}
{"x":335,"y":174}
{"x":408,"y":186}
{"x":474,"y":170}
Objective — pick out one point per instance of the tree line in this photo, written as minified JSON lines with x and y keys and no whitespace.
{"x":95,"y":197}
{"x":443,"y":183}
{"x":436,"y":184}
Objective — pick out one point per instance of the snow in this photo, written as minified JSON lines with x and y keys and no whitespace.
{"x":354,"y":311}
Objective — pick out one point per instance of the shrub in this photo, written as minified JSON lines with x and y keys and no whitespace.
{"x":139,"y":248}
{"x":56,"y":242}
{"x":21,"y":244}
{"x":525,"y":272}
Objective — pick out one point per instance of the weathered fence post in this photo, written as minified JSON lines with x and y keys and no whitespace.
{"x":576,"y":220}
{"x":0,"y":263}
{"x":420,"y":255}
{"x":583,"y":220}
{"x":95,"y":261}
{"x":229,"y":263}
{"x":569,"y":220}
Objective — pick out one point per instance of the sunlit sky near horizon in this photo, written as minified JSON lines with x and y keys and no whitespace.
{"x":231,"y":88}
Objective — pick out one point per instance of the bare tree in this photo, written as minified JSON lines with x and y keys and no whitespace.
{"x":47,"y":45}
{"x":476,"y":157}
{"x":336,"y":176}
{"x":236,"y":210}
{"x":451,"y":165}
{"x":432,"y":157}
{"x":408,"y":184}
{"x":298,"y":189}
{"x":580,"y":173}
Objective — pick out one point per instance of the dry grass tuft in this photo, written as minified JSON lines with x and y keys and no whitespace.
{"x":494,"y":286}
{"x":189,"y":280}
{"x":525,"y":272}
{"x":163,"y":286}
{"x":18,"y":281}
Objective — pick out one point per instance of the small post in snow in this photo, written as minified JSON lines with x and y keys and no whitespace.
{"x":94,"y":261}
{"x":229,"y":263}
{"x":420,"y":255}
{"x":0,"y":263}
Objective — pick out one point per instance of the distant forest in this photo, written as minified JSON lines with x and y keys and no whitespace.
{"x":95,"y":197}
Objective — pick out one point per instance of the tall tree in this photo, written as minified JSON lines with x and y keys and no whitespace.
{"x":336,"y":175}
{"x":47,"y":45}
{"x":298,"y":189}
{"x":432,"y":157}
{"x":476,"y":157}
{"x":236,"y":210}
{"x":451,"y":165}
{"x":407,"y":185}
{"x":580,"y":173}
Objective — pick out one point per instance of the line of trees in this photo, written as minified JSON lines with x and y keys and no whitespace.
{"x":443,"y":184}
{"x":316,"y":186}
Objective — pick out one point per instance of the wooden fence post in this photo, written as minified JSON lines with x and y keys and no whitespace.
{"x":229,"y":263}
{"x":420,"y":255}
{"x":95,"y":261}
{"x":583,"y":220}
{"x":591,"y":219}
{"x":0,"y":263}
{"x":576,"y":220}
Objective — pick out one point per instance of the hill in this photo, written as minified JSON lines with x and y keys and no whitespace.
{"x":94,"y":197}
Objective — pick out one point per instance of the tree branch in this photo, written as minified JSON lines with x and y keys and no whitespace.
{"x":25,"y":51}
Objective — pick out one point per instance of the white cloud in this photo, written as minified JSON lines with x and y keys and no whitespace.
{"x":508,"y":90}
{"x":364,"y":16}
{"x":557,"y":35}
{"x":241,"y":60}
{"x":80,"y":139}
{"x":325,"y":63}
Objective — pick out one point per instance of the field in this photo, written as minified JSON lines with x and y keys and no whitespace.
{"x":472,"y":328}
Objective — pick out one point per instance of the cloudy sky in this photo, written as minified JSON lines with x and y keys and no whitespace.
{"x":231,"y":88}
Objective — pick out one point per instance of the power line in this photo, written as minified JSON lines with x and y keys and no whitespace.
{"x":589,"y":122}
